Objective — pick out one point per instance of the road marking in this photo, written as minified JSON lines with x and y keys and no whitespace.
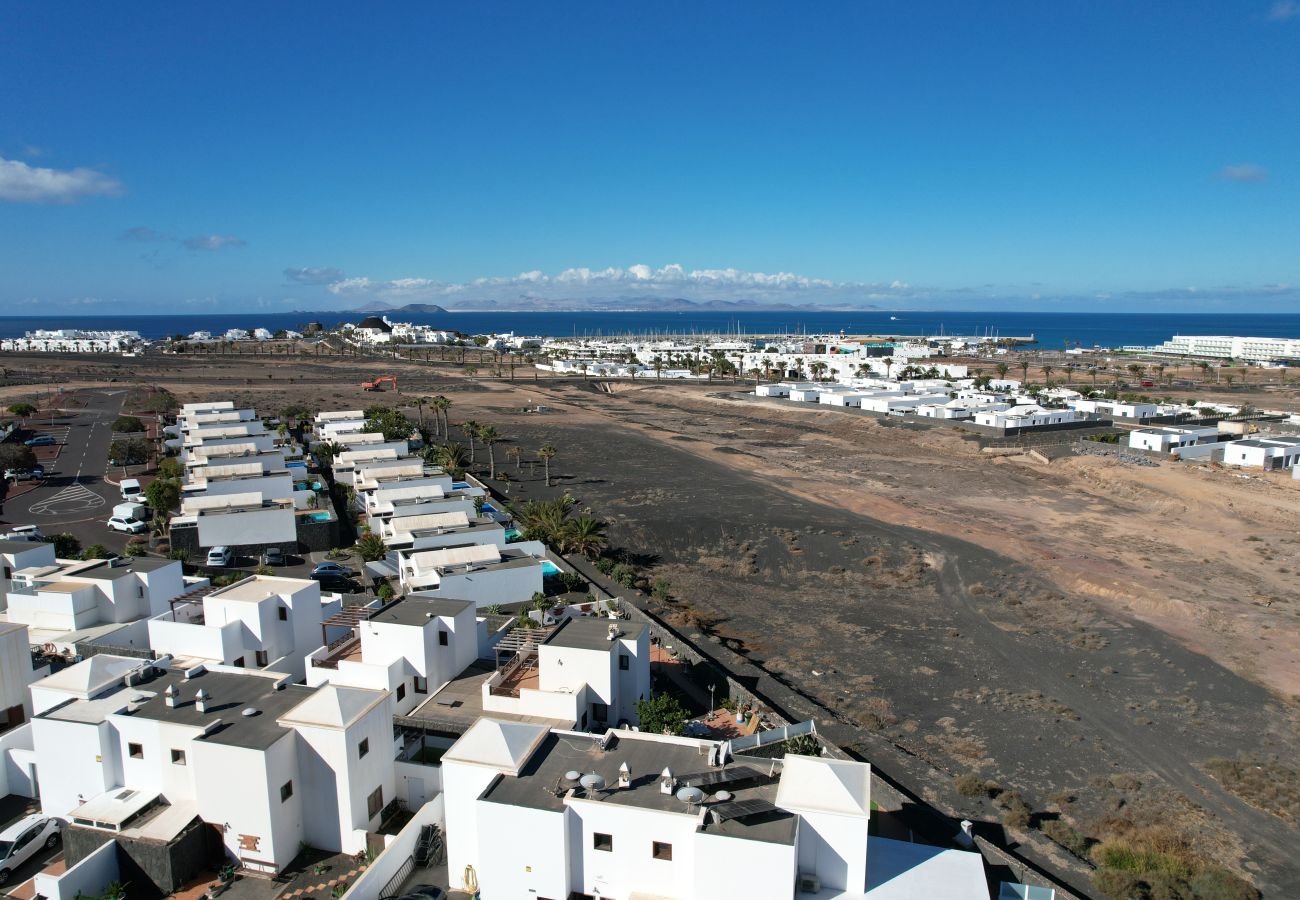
{"x":74,"y":498}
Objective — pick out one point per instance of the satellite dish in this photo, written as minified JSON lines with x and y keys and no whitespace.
{"x":722,"y":796}
{"x":572,"y":775}
{"x":690,"y":794}
{"x":592,"y":781}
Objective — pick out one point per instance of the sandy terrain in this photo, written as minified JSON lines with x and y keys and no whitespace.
{"x":1087,"y":633}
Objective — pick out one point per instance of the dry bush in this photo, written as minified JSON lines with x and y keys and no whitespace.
{"x":1267,"y":785}
{"x":970,"y":785}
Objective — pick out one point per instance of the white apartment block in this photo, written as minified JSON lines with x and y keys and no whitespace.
{"x":632,"y":815}
{"x":16,"y":674}
{"x":74,"y":340}
{"x":1026,"y":416}
{"x":1251,"y":349}
{"x":1116,"y":409}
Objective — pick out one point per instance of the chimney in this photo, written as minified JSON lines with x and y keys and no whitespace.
{"x":666,"y":781}
{"x":624,"y":776}
{"x":169,"y":696}
{"x":201,"y":701}
{"x":613,"y":632}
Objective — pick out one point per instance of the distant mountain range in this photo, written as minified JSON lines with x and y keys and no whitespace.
{"x":615,"y":304}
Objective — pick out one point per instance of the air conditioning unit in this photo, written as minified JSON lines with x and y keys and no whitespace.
{"x":809,"y":883}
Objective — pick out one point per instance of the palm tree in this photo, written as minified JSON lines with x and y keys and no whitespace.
{"x":1002,"y":369}
{"x":515,"y":453}
{"x":325,"y":453}
{"x":470,"y":429}
{"x":490,"y":437}
{"x":420,"y":404}
{"x":450,"y":456}
{"x":584,"y":535}
{"x":1136,"y":369}
{"x":1160,"y":371}
{"x":1047,"y":375}
{"x":817,"y":369}
{"x":659,"y":366}
{"x":1205,"y":369}
{"x":546,"y":453}
{"x":1024,"y":370}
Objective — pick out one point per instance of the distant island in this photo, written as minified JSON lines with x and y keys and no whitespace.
{"x":613,"y":304}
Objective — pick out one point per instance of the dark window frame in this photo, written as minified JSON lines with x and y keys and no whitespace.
{"x":134,"y":750}
{"x":661,"y":850}
{"x":603,"y":842}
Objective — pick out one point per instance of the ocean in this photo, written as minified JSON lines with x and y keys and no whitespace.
{"x":1051,"y":329}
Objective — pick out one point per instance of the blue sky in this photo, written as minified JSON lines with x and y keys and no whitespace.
{"x":1067,"y":155}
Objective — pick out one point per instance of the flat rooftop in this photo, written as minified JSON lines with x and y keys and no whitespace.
{"x":415,"y":609}
{"x":458,"y":704}
{"x":592,"y":633}
{"x":256,"y":588}
{"x":646,"y":757}
{"x":229,"y":694}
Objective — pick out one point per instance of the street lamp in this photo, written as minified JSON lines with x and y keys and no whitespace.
{"x":712,"y":707}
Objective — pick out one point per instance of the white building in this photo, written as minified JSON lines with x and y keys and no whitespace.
{"x":271,"y":764}
{"x":1026,"y":416}
{"x":643,"y":815}
{"x":1261,"y":452}
{"x":484,"y":573}
{"x":261,"y":622}
{"x":1116,"y":409}
{"x":1164,"y":440}
{"x":16,"y":674}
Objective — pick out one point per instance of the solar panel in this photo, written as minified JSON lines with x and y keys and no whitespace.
{"x":722,"y":777}
{"x":739,"y":809}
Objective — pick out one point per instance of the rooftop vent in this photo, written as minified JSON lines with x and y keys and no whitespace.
{"x":201,"y":701}
{"x":195,"y":671}
{"x":249,"y":711}
{"x":624,"y":776}
{"x":722,"y":796}
{"x":169,"y":696}
{"x":613,"y":632}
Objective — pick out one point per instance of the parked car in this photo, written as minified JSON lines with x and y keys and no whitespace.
{"x":331,"y":570}
{"x":339,"y":584}
{"x":220,"y":556}
{"x":35,"y":473}
{"x":25,"y":533}
{"x":20,"y":841}
{"x":41,"y":440}
{"x":130,"y":526}
{"x":273,"y":556}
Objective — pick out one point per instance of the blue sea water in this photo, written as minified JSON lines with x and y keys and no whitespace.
{"x":1050,"y":329}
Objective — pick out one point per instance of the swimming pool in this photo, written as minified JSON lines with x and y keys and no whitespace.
{"x":549,"y":568}
{"x":512,"y":534}
{"x":319,"y":516}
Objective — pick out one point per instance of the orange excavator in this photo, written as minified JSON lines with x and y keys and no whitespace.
{"x":377,"y":384}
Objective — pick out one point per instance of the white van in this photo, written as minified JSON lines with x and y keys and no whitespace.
{"x":131,"y":489}
{"x":220,"y":556}
{"x":25,"y":533}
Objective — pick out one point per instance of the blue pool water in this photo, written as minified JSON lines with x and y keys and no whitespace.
{"x":512,"y":534}
{"x":319,"y":516}
{"x":488,"y":507}
{"x":459,"y":485}
{"x":549,"y":568}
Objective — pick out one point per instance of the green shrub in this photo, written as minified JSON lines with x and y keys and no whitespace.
{"x":134,"y":549}
{"x":1067,"y":836}
{"x":604,"y":565}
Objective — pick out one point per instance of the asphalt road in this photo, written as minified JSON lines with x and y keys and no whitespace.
{"x":74,"y":497}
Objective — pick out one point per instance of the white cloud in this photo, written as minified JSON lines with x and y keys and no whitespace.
{"x":21,"y":183}
{"x":315,"y":275}
{"x":1244,"y":172}
{"x":1283,"y":10}
{"x":610,"y":283}
{"x":213,"y":242}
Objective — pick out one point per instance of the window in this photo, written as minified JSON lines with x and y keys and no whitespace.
{"x":283,"y":613}
{"x":623,"y":662}
{"x":375,"y":802}
{"x":401,"y":692}
{"x":600,"y":711}
{"x":178,"y":757}
{"x":286,"y":791}
{"x":363,"y":748}
{"x":442,"y":638}
{"x":602,"y":842}
{"x":262,"y":658}
{"x":660,"y":850}
{"x":135,"y":751}
{"x":421,"y":685}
